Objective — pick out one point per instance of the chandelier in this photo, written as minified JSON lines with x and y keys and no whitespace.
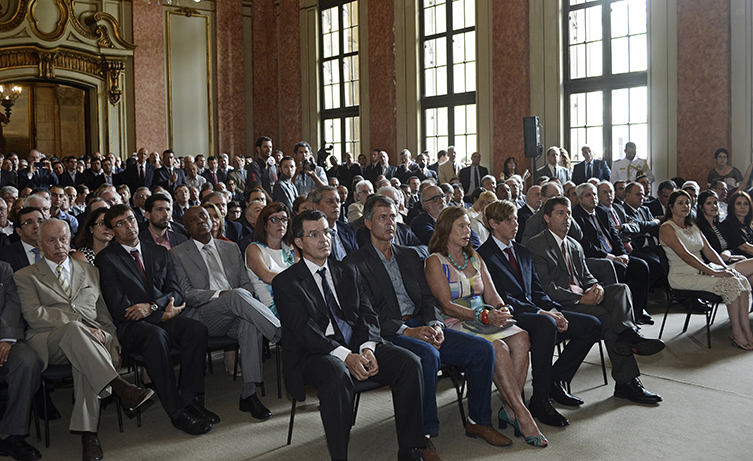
{"x":8,"y":95}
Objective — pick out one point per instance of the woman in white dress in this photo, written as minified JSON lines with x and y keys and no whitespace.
{"x":685,"y":245}
{"x":271,"y":253}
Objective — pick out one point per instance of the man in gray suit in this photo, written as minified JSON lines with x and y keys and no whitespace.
{"x":218,"y":293}
{"x":560,"y":264}
{"x":69,"y":323}
{"x":20,"y":369}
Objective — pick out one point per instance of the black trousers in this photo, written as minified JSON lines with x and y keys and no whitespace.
{"x":398,"y":368}
{"x":637,"y":276}
{"x":651,"y":257}
{"x":154,"y":342}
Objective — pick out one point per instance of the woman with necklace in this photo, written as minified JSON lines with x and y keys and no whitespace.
{"x":685,"y":246}
{"x":459,"y":280}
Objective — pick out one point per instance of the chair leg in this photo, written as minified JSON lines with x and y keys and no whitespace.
{"x":664,"y":321}
{"x":458,"y":391}
{"x":116,"y":401}
{"x":46,"y":415}
{"x":235,"y":363}
{"x":279,"y":376}
{"x":290,"y":425}
{"x":137,"y":377}
{"x":603,"y":364}
{"x":210,"y":365}
{"x":36,"y":419}
{"x":355,"y":409}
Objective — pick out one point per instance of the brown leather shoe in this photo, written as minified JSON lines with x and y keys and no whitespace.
{"x":92,"y":448}
{"x":132,"y":397}
{"x":430,"y":452}
{"x":487,"y":433}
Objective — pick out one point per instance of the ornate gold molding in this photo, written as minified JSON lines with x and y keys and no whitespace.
{"x":18,"y":16}
{"x":48,"y":61}
{"x":188,"y":12}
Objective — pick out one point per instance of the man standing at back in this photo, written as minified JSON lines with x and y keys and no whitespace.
{"x":629,"y":167}
{"x":262,"y":172}
{"x":590,"y":168}
{"x":470,"y":176}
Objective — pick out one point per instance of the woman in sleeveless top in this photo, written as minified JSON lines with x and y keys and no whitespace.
{"x":685,"y":244}
{"x":93,"y":238}
{"x":459,"y":280}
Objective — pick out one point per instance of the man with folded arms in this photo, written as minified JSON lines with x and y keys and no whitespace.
{"x":68,"y":322}
{"x":409,"y":317}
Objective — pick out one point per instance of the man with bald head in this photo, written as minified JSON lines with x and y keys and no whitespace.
{"x":68,"y":320}
{"x":433,"y":200}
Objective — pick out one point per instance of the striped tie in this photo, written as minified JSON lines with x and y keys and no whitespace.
{"x":63,"y":282}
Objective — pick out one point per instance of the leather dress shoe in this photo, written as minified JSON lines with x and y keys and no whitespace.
{"x":16,"y":447}
{"x":487,"y":433}
{"x":191,"y":424}
{"x":196,"y":409}
{"x":644,"y":319}
{"x":411,"y":454}
{"x":133,"y":397}
{"x":631,"y":342}
{"x":544,"y":411}
{"x":92,"y":448}
{"x":253,"y":405}
{"x":559,"y":394}
{"x":635,"y":392}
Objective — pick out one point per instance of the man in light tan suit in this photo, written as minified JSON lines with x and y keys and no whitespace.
{"x":69,"y":323}
{"x":448,"y":170}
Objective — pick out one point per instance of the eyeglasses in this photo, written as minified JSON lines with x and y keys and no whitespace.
{"x":316,"y":234}
{"x":436,"y":198}
{"x":279,"y":220}
{"x":129,"y":220}
{"x":29,"y":222}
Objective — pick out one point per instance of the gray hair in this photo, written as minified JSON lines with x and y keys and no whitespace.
{"x":581,"y":189}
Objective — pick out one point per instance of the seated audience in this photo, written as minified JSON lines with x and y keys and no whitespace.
{"x":736,"y":229}
{"x":93,"y":238}
{"x":433,"y":200}
{"x":158,"y":228}
{"x":327,"y":200}
{"x":477,"y":215}
{"x":363,"y":190}
{"x":24,"y":251}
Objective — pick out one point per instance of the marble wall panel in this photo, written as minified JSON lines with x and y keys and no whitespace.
{"x":290,"y":121}
{"x":382,"y":80}
{"x":231,"y":117}
{"x":265,"y":84}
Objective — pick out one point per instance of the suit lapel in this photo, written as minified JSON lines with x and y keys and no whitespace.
{"x":48,"y":279}
{"x":128,"y":261}
{"x":556,"y":252}
{"x":195,"y":257}
{"x":381,"y":276}
{"x":77,"y":278}
{"x":310,"y":287}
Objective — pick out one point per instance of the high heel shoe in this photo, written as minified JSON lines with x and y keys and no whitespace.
{"x":735,"y":343}
{"x":537,"y":441}
{"x":504,"y":420}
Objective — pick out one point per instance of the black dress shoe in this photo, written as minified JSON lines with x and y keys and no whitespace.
{"x":92,"y":450}
{"x":197,"y":409}
{"x":191,"y":424}
{"x":17,"y":447}
{"x":544,"y":411}
{"x":413,"y":454}
{"x":644,"y":319}
{"x":253,"y":405}
{"x":559,"y":394}
{"x":635,"y":392}
{"x":631,"y":342}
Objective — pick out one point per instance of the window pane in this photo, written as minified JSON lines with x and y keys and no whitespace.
{"x":331,"y":83}
{"x":578,"y":61}
{"x":577,"y":21}
{"x":594,"y":59}
{"x":578,"y":109}
{"x":330,"y":29}
{"x":595,"y":110}
{"x":638,"y":16}
{"x":332,"y":135}
{"x":350,"y":26}
{"x":620,"y":106}
{"x":463,"y":14}
{"x":638,"y":53}
{"x":619,"y":19}
{"x":639,"y":105}
{"x":353,"y":135}
{"x":620,"y":56}
{"x":620,"y":136}
{"x":593,"y":23}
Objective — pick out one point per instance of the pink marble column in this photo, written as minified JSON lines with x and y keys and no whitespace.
{"x":291,"y":123}
{"x":231,"y":116}
{"x":382,"y":80}
{"x":265,"y":84}
{"x":512,"y":81}
{"x":150,"y":102}
{"x":703,"y":85}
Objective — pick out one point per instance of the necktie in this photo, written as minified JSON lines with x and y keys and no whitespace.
{"x":589,"y":172}
{"x":215,"y":271}
{"x":135,"y":254}
{"x":142,"y":175}
{"x":214,"y":177}
{"x":108,"y":179}
{"x":63,"y":282}
{"x":37,"y":254}
{"x":574,"y":286}
{"x":337,"y":248}
{"x":343,"y":331}
{"x":605,"y":245}
{"x":478,"y":177}
{"x":514,"y":263}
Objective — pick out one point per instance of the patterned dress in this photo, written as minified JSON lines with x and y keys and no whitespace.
{"x":276,"y":261}
{"x":684,"y":277}
{"x":468,"y":292}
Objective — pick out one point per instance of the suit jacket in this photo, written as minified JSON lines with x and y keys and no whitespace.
{"x":590,"y":242}
{"x":125,"y":286}
{"x":648,"y":229}
{"x":447,"y":171}
{"x":65,"y":180}
{"x":193,"y":274}
{"x":552,"y":270}
{"x":465,"y":177}
{"x":304,"y":316}
{"x":45,"y":306}
{"x":562,"y":173}
{"x":41,"y":178}
{"x":176,"y":238}
{"x":93,"y":181}
{"x":221,"y":176}
{"x":8,"y":178}
{"x":233,"y":230}
{"x":423,"y":227}
{"x":11,"y":326}
{"x":347,"y":237}
{"x":654,"y":206}
{"x":237,"y":176}
{"x":373,"y":171}
{"x":130,"y":177}
{"x":285,"y":192}
{"x":428,"y":174}
{"x":526,"y":295}
{"x":403,"y":175}
{"x":15,"y":255}
{"x":536,"y":224}
{"x":382,"y":293}
{"x":599,"y":170}
{"x":405,"y":237}
{"x":627,"y":228}
{"x":162,"y":178}
{"x":524,"y":214}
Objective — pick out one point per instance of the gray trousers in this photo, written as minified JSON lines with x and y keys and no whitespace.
{"x":240,"y":316}
{"x":616,"y":315}
{"x":92,"y":370}
{"x":23,"y":373}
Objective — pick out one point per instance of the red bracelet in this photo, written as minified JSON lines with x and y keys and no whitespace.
{"x":485,"y":316}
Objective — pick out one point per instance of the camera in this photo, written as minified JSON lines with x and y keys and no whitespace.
{"x":308,"y":165}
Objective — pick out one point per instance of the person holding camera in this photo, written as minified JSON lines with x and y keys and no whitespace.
{"x":308,"y":175}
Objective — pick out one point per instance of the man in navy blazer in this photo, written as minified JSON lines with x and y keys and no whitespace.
{"x":327,"y":200}
{"x":8,"y":178}
{"x":24,"y":251}
{"x":470,"y":176}
{"x":168,"y":176}
{"x":590,"y":168}
{"x":212,"y":174}
{"x":332,"y":339}
{"x":138,"y":174}
{"x":511,"y":268}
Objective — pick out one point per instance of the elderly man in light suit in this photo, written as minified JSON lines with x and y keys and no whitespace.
{"x":219,"y":294}
{"x":69,"y":323}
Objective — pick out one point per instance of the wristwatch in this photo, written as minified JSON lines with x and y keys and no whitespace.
{"x":154,"y":307}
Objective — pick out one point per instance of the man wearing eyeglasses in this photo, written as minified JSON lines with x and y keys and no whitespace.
{"x":434,"y":200}
{"x":364,"y":189}
{"x":24,"y":251}
{"x":219,"y":294}
{"x":327,"y":200}
{"x":145,"y":301}
{"x":332,"y":339}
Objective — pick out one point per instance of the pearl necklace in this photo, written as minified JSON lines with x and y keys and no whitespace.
{"x":457,"y":266}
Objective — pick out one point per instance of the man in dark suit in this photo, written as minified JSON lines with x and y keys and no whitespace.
{"x":552,"y":168}
{"x":35,"y":176}
{"x":71,"y":177}
{"x":20,"y":369}
{"x":433,"y":200}
{"x":95,"y":176}
{"x":138,"y":174}
{"x":327,"y":200}
{"x":560,"y":265}
{"x":168,"y":176}
{"x":233,"y":230}
{"x":24,"y":251}
{"x":590,"y":168}
{"x":601,"y":240}
{"x":616,"y":214}
{"x":658,"y":207}
{"x":511,"y":268}
{"x":470,"y":176}
{"x":157,"y":228}
{"x":8,"y":178}
{"x":409,"y":316}
{"x":212,"y":174}
{"x":407,"y":168}
{"x":533,"y":203}
{"x":380,"y":165}
{"x":645,"y":242}
{"x":144,"y":299}
{"x":332,"y":338}
{"x":425,"y":172}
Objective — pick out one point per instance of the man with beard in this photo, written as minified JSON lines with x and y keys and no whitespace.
{"x":158,"y":229}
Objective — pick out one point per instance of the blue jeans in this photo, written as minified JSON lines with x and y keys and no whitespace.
{"x":459,"y":349}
